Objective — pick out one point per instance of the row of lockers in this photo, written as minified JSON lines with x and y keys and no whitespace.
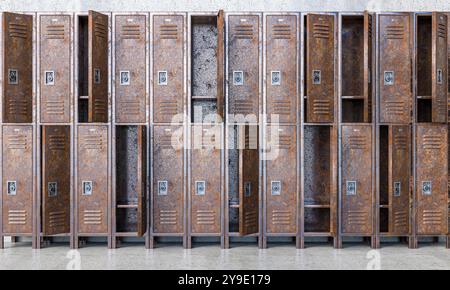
{"x":394,"y":185}
{"x":160,"y":66}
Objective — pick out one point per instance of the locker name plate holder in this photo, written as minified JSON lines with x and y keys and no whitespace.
{"x":162,"y":78}
{"x":389,"y":78}
{"x":317,"y":77}
{"x":11,"y":188}
{"x":125,"y":78}
{"x":276,"y":187}
{"x":87,"y":187}
{"x":163,"y":187}
{"x":248,"y":189}
{"x":397,"y":189}
{"x":200,"y":188}
{"x":440,"y":77}
{"x":13,"y":76}
{"x":49,"y":77}
{"x":276,"y":78}
{"x":238,"y":78}
{"x":426,"y":187}
{"x":97,"y":76}
{"x":350,"y":188}
{"x":52,"y":189}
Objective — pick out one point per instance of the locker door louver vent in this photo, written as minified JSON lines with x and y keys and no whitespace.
{"x":395,"y":107}
{"x":251,"y":219}
{"x":321,"y":107}
{"x":168,"y":31}
{"x":168,"y":217}
{"x":92,"y":217}
{"x":432,"y":217}
{"x":357,"y":218}
{"x":18,"y":107}
{"x":18,"y":30}
{"x":57,"y":143}
{"x":284,"y":142}
{"x":401,"y":219}
{"x":130,"y":107}
{"x":442,"y":31}
{"x":93,"y":142}
{"x":400,"y":142}
{"x":282,"y":107}
{"x":370,"y":27}
{"x":358,"y":142}
{"x":244,"y":107}
{"x":168,"y":107}
{"x":432,"y":142}
{"x":244,"y":31}
{"x":100,"y":30}
{"x":17,"y":142}
{"x":131,"y":32}
{"x":100,"y":107}
{"x":55,"y":31}
{"x":321,"y":30}
{"x":281,"y":31}
{"x":54,"y":107}
{"x":57,"y":219}
{"x":395,"y":32}
{"x":17,"y":217}
{"x":205,"y":217}
{"x":281,"y":217}
{"x":165,"y":142}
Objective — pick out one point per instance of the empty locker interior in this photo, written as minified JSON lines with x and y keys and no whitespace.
{"x":320,"y":179}
{"x":17,"y":68}
{"x":56,"y":184}
{"x":130,"y":187}
{"x":356,"y":62}
{"x":92,"y":39}
{"x":394,"y":179}
{"x":207,"y":45}
{"x":431,"y":67}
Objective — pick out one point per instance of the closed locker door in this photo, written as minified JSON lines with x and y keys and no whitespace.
{"x":130,"y":68}
{"x":320,"y":65}
{"x":395,"y":68}
{"x":98,"y":67}
{"x":92,"y":179}
{"x":243,"y":65}
{"x":17,"y":68}
{"x":281,"y":187}
{"x":168,"y":176}
{"x":440,"y":68}
{"x":248,"y":180}
{"x":431,"y":186}
{"x":357,"y":207}
{"x":399,"y":177}
{"x":55,"y":75}
{"x":168,"y":67}
{"x":55,"y":180}
{"x":17,"y":179}
{"x":282,"y":68}
{"x":206,"y":180}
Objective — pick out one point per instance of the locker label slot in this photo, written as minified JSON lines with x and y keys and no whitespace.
{"x":351,"y":188}
{"x":12,"y":188}
{"x":276,"y":187}
{"x":317,"y":77}
{"x":276,"y":78}
{"x":52,"y":189}
{"x":163,"y":187}
{"x":162,"y":78}
{"x":238,"y":78}
{"x":125,"y":78}
{"x":49,"y":78}
{"x":426,"y":188}
{"x":87,"y":187}
{"x":200,"y":187}
{"x":389,"y":77}
{"x":13,"y":76}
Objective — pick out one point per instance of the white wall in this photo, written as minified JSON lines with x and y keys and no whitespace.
{"x":227,"y":5}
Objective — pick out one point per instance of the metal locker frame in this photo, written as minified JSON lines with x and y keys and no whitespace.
{"x":115,"y":236}
{"x":77,"y":239}
{"x":228,"y":128}
{"x":15,"y":237}
{"x":151,"y":237}
{"x":333,"y":127}
{"x":296,"y":125}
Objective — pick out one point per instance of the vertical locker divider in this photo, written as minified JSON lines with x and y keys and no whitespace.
{"x":2,"y":241}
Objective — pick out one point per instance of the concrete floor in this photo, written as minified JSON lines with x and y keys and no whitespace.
{"x":240,"y":257}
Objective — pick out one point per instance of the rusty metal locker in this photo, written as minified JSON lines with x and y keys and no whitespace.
{"x":357,"y":192}
{"x":439,"y":67}
{"x":17,"y":180}
{"x":55,"y":180}
{"x":431,"y":179}
{"x":168,"y":185}
{"x":55,"y":72}
{"x":282,"y":186}
{"x":243,"y":65}
{"x":98,"y":25}
{"x":320,"y":68}
{"x":206,"y":186}
{"x":281,"y":68}
{"x":168,"y":67}
{"x":92,"y":196}
{"x":395,"y":68}
{"x":17,"y":68}
{"x":130,"y":68}
{"x":248,"y":180}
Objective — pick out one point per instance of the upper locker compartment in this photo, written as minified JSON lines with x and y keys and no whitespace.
{"x":356,"y":63}
{"x":17,"y":68}
{"x":207,"y":68}
{"x":55,"y":75}
{"x":282,"y":68}
{"x":432,"y":66}
{"x":93,"y":68}
{"x":168,"y":68}
{"x":320,"y":68}
{"x":244,"y":66}
{"x":395,"y":68}
{"x":130,"y":68}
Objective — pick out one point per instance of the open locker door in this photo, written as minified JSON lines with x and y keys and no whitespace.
{"x":55,"y":180}
{"x":220,"y":64}
{"x":98,"y":67}
{"x":440,"y":68}
{"x":141,"y":181}
{"x":320,"y":84}
{"x":368,"y":49}
{"x":248,"y":180}
{"x":17,"y":68}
